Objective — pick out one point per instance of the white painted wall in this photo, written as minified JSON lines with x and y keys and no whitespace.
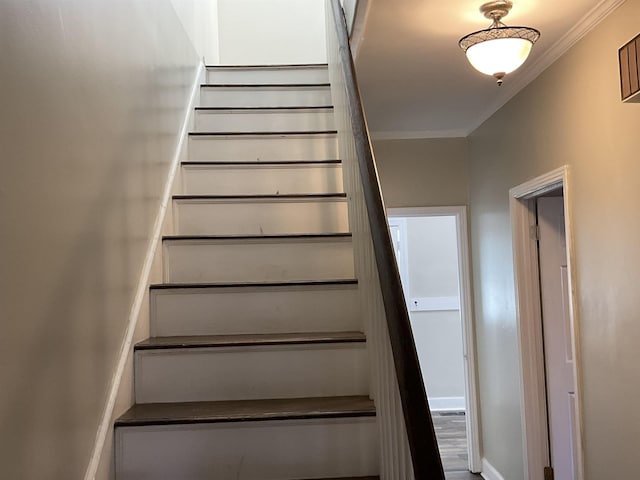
{"x":433,"y":272}
{"x":94,"y":93}
{"x":200,"y":21}
{"x":259,"y":32}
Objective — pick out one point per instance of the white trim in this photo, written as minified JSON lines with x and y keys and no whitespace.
{"x":447,"y":404}
{"x":419,"y":134}
{"x":434,"y":304}
{"x":533,"y":69}
{"x":466,"y":313}
{"x":539,"y":185}
{"x":468,"y":332}
{"x":533,"y":395}
{"x":403,"y":260}
{"x":489,"y":472}
{"x":106,"y":421}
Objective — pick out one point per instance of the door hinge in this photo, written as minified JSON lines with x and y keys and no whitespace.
{"x":534,"y":232}
{"x":548,"y":473}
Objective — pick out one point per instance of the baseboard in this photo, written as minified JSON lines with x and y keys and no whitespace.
{"x":447,"y":404}
{"x":489,"y":472}
{"x":107,"y":419}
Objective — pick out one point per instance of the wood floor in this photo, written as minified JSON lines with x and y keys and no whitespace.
{"x":452,"y":438}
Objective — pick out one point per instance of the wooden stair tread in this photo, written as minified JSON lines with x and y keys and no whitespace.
{"x":265,"y":85}
{"x":246,"y":410}
{"x":264,"y":134}
{"x":270,"y":66}
{"x":292,"y":236}
{"x":292,"y":107}
{"x":348,"y":478}
{"x":254,"y":163}
{"x":295,"y":283}
{"x":244,"y":340}
{"x":283,"y":196}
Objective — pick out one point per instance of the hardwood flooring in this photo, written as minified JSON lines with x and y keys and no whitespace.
{"x":452,"y":438}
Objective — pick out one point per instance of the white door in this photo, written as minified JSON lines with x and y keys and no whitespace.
{"x":558,"y":347}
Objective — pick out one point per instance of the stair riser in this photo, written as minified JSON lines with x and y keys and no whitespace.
{"x":254,"y":310}
{"x":264,"y":97}
{"x":243,"y":148}
{"x":256,"y":218}
{"x":266,"y":76}
{"x":264,"y":121}
{"x":248,"y":180}
{"x":266,"y":450}
{"x":245,"y":373}
{"x":205,"y":262}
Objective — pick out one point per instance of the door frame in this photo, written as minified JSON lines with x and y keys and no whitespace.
{"x":466,"y":313}
{"x":529,"y":319}
{"x":403,"y":261}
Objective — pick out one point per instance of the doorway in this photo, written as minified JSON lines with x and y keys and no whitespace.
{"x":547,"y":327}
{"x":431,"y":246}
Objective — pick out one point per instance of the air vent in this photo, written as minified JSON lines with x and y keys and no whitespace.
{"x":629,"y":56}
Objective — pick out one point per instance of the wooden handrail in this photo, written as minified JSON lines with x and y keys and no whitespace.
{"x":423,"y":445}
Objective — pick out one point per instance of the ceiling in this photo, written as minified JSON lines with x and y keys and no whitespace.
{"x":415,"y":80}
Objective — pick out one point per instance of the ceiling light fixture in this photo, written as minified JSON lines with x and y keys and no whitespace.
{"x":499,"y":49}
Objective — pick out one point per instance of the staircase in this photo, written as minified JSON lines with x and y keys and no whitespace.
{"x":258,"y":366}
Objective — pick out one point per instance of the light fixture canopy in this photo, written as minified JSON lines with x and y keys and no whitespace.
{"x":499,"y":49}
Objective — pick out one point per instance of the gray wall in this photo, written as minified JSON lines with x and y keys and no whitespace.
{"x":93,"y":95}
{"x":572,"y":115}
{"x":432,"y":249}
{"x":423,"y":172}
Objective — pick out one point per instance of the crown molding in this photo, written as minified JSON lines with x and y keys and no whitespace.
{"x":418,"y":134}
{"x":532,"y":70}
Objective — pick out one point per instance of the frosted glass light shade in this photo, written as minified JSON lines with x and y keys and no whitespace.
{"x":499,"y":50}
{"x":499,"y":56}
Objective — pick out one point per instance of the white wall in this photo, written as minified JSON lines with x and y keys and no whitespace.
{"x":433,"y":272}
{"x":257,"y":32}
{"x":438,"y":337}
{"x":571,"y":114}
{"x":93,"y":95}
{"x":200,"y":21}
